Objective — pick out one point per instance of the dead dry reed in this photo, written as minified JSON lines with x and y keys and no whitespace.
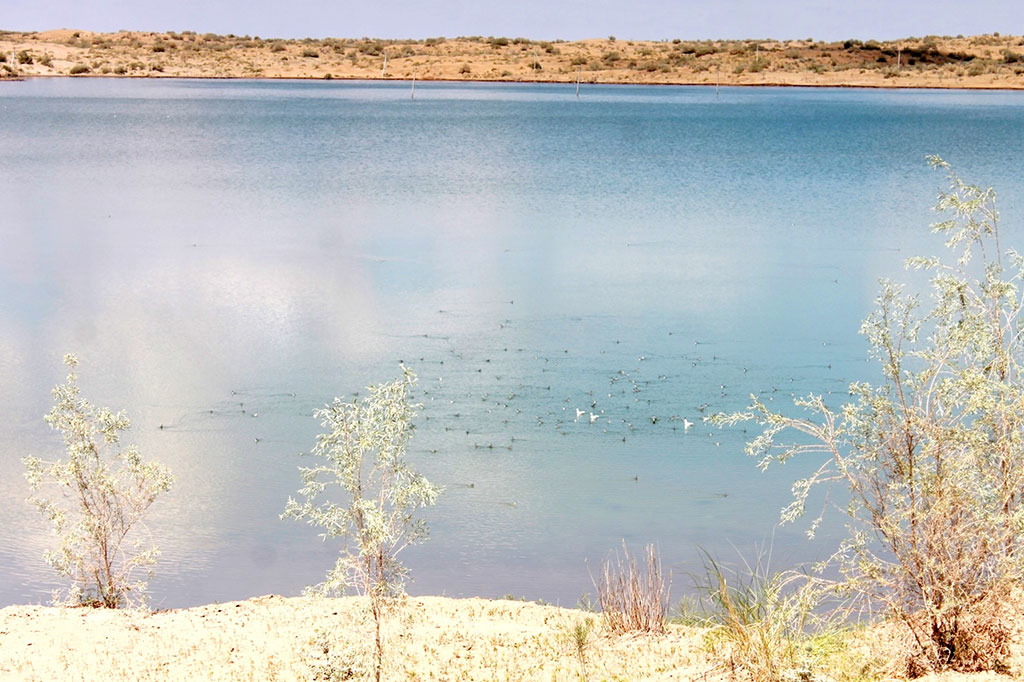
{"x":633,"y":600}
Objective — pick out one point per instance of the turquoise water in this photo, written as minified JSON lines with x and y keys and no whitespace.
{"x":225,"y":257}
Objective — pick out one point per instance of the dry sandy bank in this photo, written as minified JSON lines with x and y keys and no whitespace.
{"x":275,"y":638}
{"x":429,"y":638}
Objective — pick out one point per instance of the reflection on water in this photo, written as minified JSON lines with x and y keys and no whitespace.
{"x":573,"y":281}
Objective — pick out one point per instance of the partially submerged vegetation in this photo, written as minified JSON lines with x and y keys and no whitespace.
{"x":986,"y":61}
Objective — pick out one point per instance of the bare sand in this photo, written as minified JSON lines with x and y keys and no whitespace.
{"x":985,"y":61}
{"x":276,"y":638}
{"x":427,"y":638}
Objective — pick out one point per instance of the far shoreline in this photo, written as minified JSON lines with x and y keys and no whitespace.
{"x":983,"y":62}
{"x":497,"y":81}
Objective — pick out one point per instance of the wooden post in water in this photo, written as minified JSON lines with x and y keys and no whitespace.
{"x":578,"y":74}
{"x":413,"y":94}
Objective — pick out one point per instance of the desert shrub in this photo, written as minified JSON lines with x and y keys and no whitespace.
{"x":931,"y":457}
{"x":364,"y":459}
{"x":580,"y":640}
{"x":465,"y":69}
{"x":760,"y":622}
{"x":328,"y":658}
{"x":103,"y":492}
{"x":960,"y":56}
{"x":633,"y":600}
{"x":310,"y":53}
{"x":977,"y":69}
{"x":79,"y":69}
{"x":25,"y":57}
{"x":372,"y":48}
{"x":277,"y":47}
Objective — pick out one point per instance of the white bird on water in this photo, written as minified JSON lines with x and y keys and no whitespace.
{"x":687,"y":424}
{"x":579,"y":413}
{"x":593,"y":417}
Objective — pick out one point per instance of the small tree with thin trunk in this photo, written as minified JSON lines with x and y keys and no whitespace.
{"x":365,"y":493}
{"x":103,"y":491}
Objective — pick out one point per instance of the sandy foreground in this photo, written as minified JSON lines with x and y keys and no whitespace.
{"x":277,"y":638}
{"x":985,"y":61}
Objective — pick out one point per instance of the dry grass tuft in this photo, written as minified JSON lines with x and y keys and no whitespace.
{"x":632,"y":601}
{"x":760,"y":622}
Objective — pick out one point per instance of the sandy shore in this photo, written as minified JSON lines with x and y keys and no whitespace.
{"x":274,"y":638}
{"x":429,"y":638}
{"x":986,"y":61}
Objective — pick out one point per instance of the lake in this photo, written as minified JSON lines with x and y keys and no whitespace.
{"x":227,"y":256}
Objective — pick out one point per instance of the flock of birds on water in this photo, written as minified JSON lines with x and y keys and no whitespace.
{"x":493,"y":390}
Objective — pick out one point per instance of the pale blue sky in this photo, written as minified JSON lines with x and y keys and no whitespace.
{"x":550,"y":19}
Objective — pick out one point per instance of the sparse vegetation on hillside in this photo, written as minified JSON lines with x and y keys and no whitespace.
{"x":932,"y":61}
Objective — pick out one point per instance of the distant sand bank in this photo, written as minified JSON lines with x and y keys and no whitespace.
{"x":982,"y":62}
